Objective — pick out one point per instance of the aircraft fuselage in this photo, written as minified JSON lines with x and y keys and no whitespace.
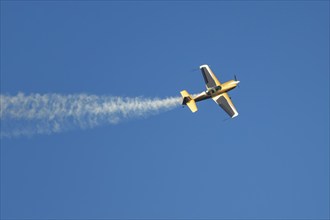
{"x":216,"y":90}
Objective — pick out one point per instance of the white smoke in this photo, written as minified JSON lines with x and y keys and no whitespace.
{"x":51,"y":113}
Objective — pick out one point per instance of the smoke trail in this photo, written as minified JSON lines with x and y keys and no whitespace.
{"x":52,"y":113}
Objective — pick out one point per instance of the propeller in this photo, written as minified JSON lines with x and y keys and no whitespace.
{"x":236,"y":79}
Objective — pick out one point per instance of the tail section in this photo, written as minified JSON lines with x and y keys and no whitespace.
{"x":188,"y":100}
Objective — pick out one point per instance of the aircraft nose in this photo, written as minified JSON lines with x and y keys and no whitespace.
{"x":238,"y":82}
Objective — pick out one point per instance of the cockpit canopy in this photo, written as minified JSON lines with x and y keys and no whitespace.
{"x":213,"y":90}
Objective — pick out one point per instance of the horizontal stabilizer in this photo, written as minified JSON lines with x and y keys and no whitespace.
{"x":188,"y":100}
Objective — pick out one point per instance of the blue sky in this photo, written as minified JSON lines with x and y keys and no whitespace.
{"x":272,"y":161}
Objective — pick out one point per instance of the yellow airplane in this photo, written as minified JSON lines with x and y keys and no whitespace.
{"x":215,"y":90}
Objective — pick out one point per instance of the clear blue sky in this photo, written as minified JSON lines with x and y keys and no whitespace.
{"x":272,"y":161}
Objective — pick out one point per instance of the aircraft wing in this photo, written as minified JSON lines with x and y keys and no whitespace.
{"x":225,"y":103}
{"x":209,"y":77}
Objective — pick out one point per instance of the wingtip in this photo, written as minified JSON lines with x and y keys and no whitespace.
{"x":204,"y":65}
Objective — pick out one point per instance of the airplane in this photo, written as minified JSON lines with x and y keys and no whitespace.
{"x":215,"y":90}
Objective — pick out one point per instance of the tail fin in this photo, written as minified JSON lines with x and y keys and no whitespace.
{"x":188,"y":100}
